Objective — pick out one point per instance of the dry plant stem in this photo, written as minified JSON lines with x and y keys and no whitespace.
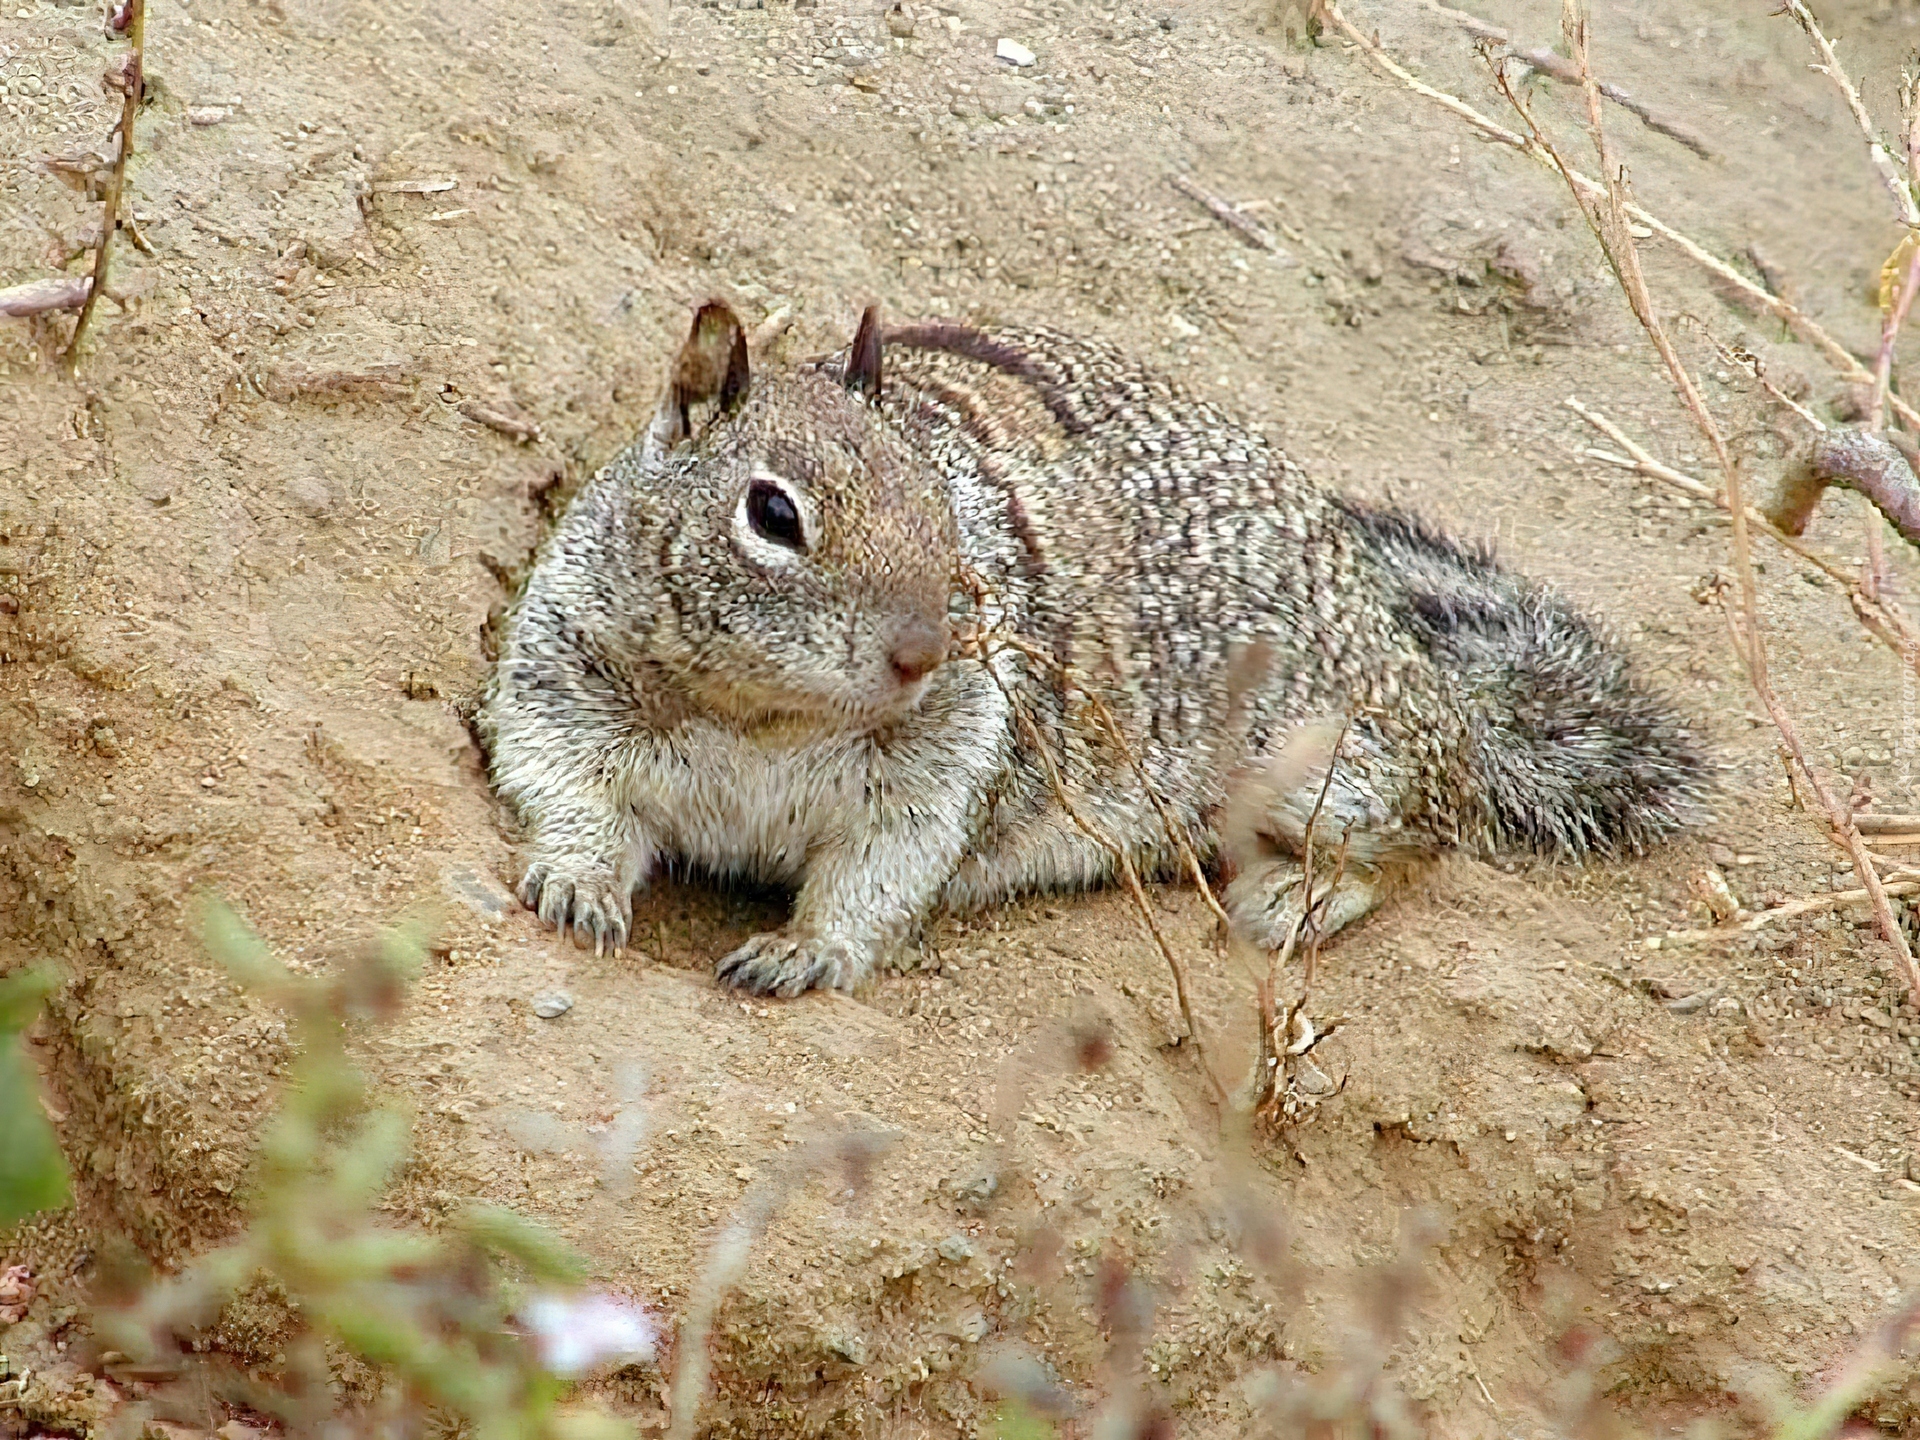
{"x":1798,"y":320}
{"x":1129,"y":875}
{"x":134,"y":85}
{"x":1881,"y":618}
{"x":1751,"y":365}
{"x":1616,"y":237}
{"x":1176,"y":834}
{"x":1877,"y":151}
{"x":1229,"y":215}
{"x":1812,"y":905}
{"x":36,"y":297}
{"x":1640,"y":461}
{"x":1548,"y":63}
{"x":1882,"y":824}
{"x":728,"y":1257}
{"x":1890,"y":324}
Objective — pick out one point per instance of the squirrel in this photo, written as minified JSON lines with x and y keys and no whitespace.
{"x":740,"y":652}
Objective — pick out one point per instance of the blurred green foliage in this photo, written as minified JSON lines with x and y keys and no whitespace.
{"x":33,"y":1175}
{"x":431,"y":1313}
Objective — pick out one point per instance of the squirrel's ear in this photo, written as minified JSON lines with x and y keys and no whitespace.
{"x":709,"y":377}
{"x":863,"y":365}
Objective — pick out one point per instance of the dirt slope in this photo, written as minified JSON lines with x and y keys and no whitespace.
{"x":247,"y":562}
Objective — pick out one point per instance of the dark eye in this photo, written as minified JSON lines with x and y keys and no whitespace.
{"x":771,"y":512}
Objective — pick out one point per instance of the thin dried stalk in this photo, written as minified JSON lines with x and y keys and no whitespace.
{"x":1129,"y":876}
{"x":1549,"y":63}
{"x":1585,"y":186}
{"x":1176,"y":833}
{"x":133,"y":84}
{"x":728,"y":1257}
{"x":1610,"y":224}
{"x":1878,"y":616}
{"x":36,"y":297}
{"x":1879,"y":153}
{"x":1750,"y":363}
{"x":1231,"y":216}
{"x":980,"y":643}
{"x":1812,"y":905}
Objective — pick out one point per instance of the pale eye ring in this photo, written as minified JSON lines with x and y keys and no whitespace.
{"x":773,"y":515}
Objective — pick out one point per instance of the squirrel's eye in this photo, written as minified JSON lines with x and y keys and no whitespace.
{"x":771,"y":512}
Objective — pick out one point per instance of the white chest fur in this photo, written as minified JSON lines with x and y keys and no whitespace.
{"x":753,"y":805}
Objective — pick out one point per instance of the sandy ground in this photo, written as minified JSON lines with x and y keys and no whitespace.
{"x":248,"y":561}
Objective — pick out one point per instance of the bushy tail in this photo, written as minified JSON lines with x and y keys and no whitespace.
{"x":1566,"y":751}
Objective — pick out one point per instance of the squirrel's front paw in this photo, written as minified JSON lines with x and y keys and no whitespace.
{"x":590,"y":898}
{"x":789,"y":965}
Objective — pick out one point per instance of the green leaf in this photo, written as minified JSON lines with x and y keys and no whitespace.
{"x":545,"y":1255}
{"x":1015,"y":1422}
{"x":33,"y":1173}
{"x":243,"y":953}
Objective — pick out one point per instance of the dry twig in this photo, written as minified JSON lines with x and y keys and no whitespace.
{"x":982,"y":645}
{"x":1880,"y":156}
{"x":511,"y":424}
{"x":36,"y":297}
{"x":1549,"y":63}
{"x":1863,"y":461}
{"x":1878,"y":152}
{"x":728,"y":1257}
{"x":1811,"y":905}
{"x":132,"y":81}
{"x":1797,"y":319}
{"x":1609,"y":218}
{"x":1638,"y":460}
{"x":1233,"y":217}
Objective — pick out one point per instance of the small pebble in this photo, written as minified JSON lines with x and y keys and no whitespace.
{"x":1013,"y":52}
{"x":552,"y":1005}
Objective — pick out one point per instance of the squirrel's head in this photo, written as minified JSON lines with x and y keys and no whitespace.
{"x":811,"y":551}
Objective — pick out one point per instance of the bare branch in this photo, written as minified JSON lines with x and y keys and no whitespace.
{"x":1879,"y":153}
{"x":1549,"y":63}
{"x":1616,"y":237}
{"x":1795,"y":318}
{"x":36,"y":297}
{"x":133,"y":83}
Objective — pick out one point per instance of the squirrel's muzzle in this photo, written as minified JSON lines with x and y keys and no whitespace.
{"x":919,"y":648}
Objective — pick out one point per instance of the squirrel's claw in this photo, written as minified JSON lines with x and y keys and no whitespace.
{"x":786,"y":966}
{"x":593,"y":906}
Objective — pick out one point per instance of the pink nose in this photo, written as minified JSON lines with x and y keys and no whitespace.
{"x":918,"y":650}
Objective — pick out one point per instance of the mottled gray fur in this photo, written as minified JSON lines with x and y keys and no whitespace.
{"x":735,"y":653}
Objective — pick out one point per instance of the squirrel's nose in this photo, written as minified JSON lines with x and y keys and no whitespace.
{"x":919,"y":648}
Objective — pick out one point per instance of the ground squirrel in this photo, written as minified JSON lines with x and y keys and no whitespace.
{"x":736,"y":653}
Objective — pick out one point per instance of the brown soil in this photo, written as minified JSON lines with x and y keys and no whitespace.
{"x":249,"y":557}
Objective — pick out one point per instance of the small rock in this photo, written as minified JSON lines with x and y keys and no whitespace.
{"x":955,"y":1248}
{"x":1014,"y":53}
{"x":552,"y":1005}
{"x":206,"y":114}
{"x":850,"y":1348}
{"x":1688,"y":1004}
{"x":311,"y":496}
{"x":17,"y":1289}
